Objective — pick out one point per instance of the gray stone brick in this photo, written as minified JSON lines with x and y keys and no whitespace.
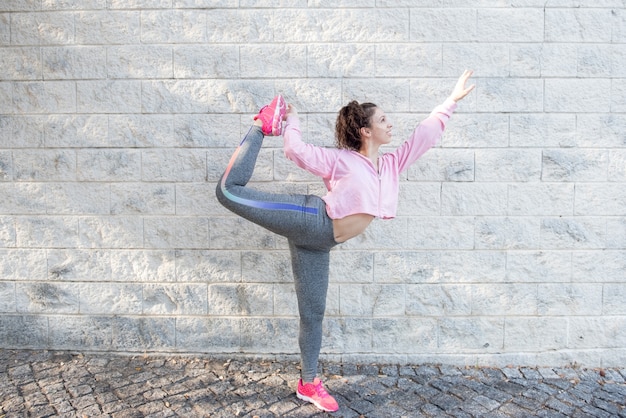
{"x":139,"y":4}
{"x":143,"y":333}
{"x":23,"y":265}
{"x":407,"y":267}
{"x":263,"y":335}
{"x":5,"y":29}
{"x":488,"y":266}
{"x":208,"y":266}
{"x":551,"y":130}
{"x":109,"y":96}
{"x":346,"y":60}
{"x":575,"y":299}
{"x":181,"y":232}
{"x":24,"y":331}
{"x":7,"y":297}
{"x":140,"y":131}
{"x":347,"y":335}
{"x":540,"y":333}
{"x":78,"y":265}
{"x":72,"y":62}
{"x":91,"y":332}
{"x":352,"y":267}
{"x":598,"y":266}
{"x":512,"y":165}
{"x":24,"y":198}
{"x":372,"y":300}
{"x":136,"y":198}
{"x":7,"y":232}
{"x":443,"y":165}
{"x":403,"y":335}
{"x":46,"y":28}
{"x":108,"y":27}
{"x":110,"y":299}
{"x":279,"y":59}
{"x":574,"y":165}
{"x":205,"y":334}
{"x":534,"y":267}
{"x":607,"y":200}
{"x":409,"y":60}
{"x":579,"y":95}
{"x":21,"y":63}
{"x":540,"y":199}
{"x":286,"y":300}
{"x":78,"y":198}
{"x":466,"y":199}
{"x":577,"y":25}
{"x":500,"y":299}
{"x":586,"y":332}
{"x":418,"y":199}
{"x":564,"y":233}
{"x":40,"y":297}
{"x":139,"y":61}
{"x":172,"y":299}
{"x":20,"y":131}
{"x":199,"y":131}
{"x":143,"y":265}
{"x":182,"y":26}
{"x":470,"y":334}
{"x":245,"y":26}
{"x":111,"y":232}
{"x":613,"y":293}
{"x":438,"y":300}
{"x":512,"y":95}
{"x":240,"y":300}
{"x":507,"y":233}
{"x":47,"y":232}
{"x":167,"y":165}
{"x":44,"y":165}
{"x":487,"y":59}
{"x":76,"y":131}
{"x":448,"y":232}
{"x":232,"y":233}
{"x":435,"y":24}
{"x":510,"y":25}
{"x":266,"y":267}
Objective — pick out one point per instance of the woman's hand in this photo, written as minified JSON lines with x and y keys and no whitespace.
{"x":291,"y":111}
{"x":460,"y":91}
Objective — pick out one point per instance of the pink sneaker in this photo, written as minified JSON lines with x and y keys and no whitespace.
{"x":317,"y":395}
{"x":272,"y":116}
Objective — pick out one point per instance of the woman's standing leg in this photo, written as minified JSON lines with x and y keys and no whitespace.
{"x":310,"y":271}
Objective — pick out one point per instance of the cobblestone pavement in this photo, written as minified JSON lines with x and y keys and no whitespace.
{"x":46,"y":384}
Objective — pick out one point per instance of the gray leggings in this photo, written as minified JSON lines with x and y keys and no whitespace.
{"x":302,"y":219}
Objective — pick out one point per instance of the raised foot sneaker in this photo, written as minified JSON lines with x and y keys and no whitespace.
{"x":317,"y":395}
{"x":272,"y":116}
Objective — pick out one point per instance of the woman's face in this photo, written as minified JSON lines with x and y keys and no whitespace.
{"x":380,"y":127}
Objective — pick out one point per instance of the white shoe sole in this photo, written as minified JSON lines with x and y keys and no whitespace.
{"x":277,"y":128}
{"x":310,"y":400}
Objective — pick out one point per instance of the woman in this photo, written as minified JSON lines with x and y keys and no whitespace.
{"x":361,"y":183}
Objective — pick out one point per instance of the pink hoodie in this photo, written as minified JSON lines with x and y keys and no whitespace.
{"x":354,"y":185}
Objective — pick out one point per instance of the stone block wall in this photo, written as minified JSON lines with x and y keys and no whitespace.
{"x":117,"y":118}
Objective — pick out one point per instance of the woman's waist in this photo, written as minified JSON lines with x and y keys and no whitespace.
{"x":351,"y":226}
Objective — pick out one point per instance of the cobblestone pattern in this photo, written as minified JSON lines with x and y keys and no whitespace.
{"x":117,"y":118}
{"x":46,"y":384}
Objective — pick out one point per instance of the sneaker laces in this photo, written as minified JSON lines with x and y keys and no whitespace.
{"x":321,"y":391}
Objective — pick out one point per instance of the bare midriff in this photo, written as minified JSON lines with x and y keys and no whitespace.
{"x":351,"y":226}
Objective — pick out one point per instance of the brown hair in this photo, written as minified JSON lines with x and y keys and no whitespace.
{"x":351,"y":118}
